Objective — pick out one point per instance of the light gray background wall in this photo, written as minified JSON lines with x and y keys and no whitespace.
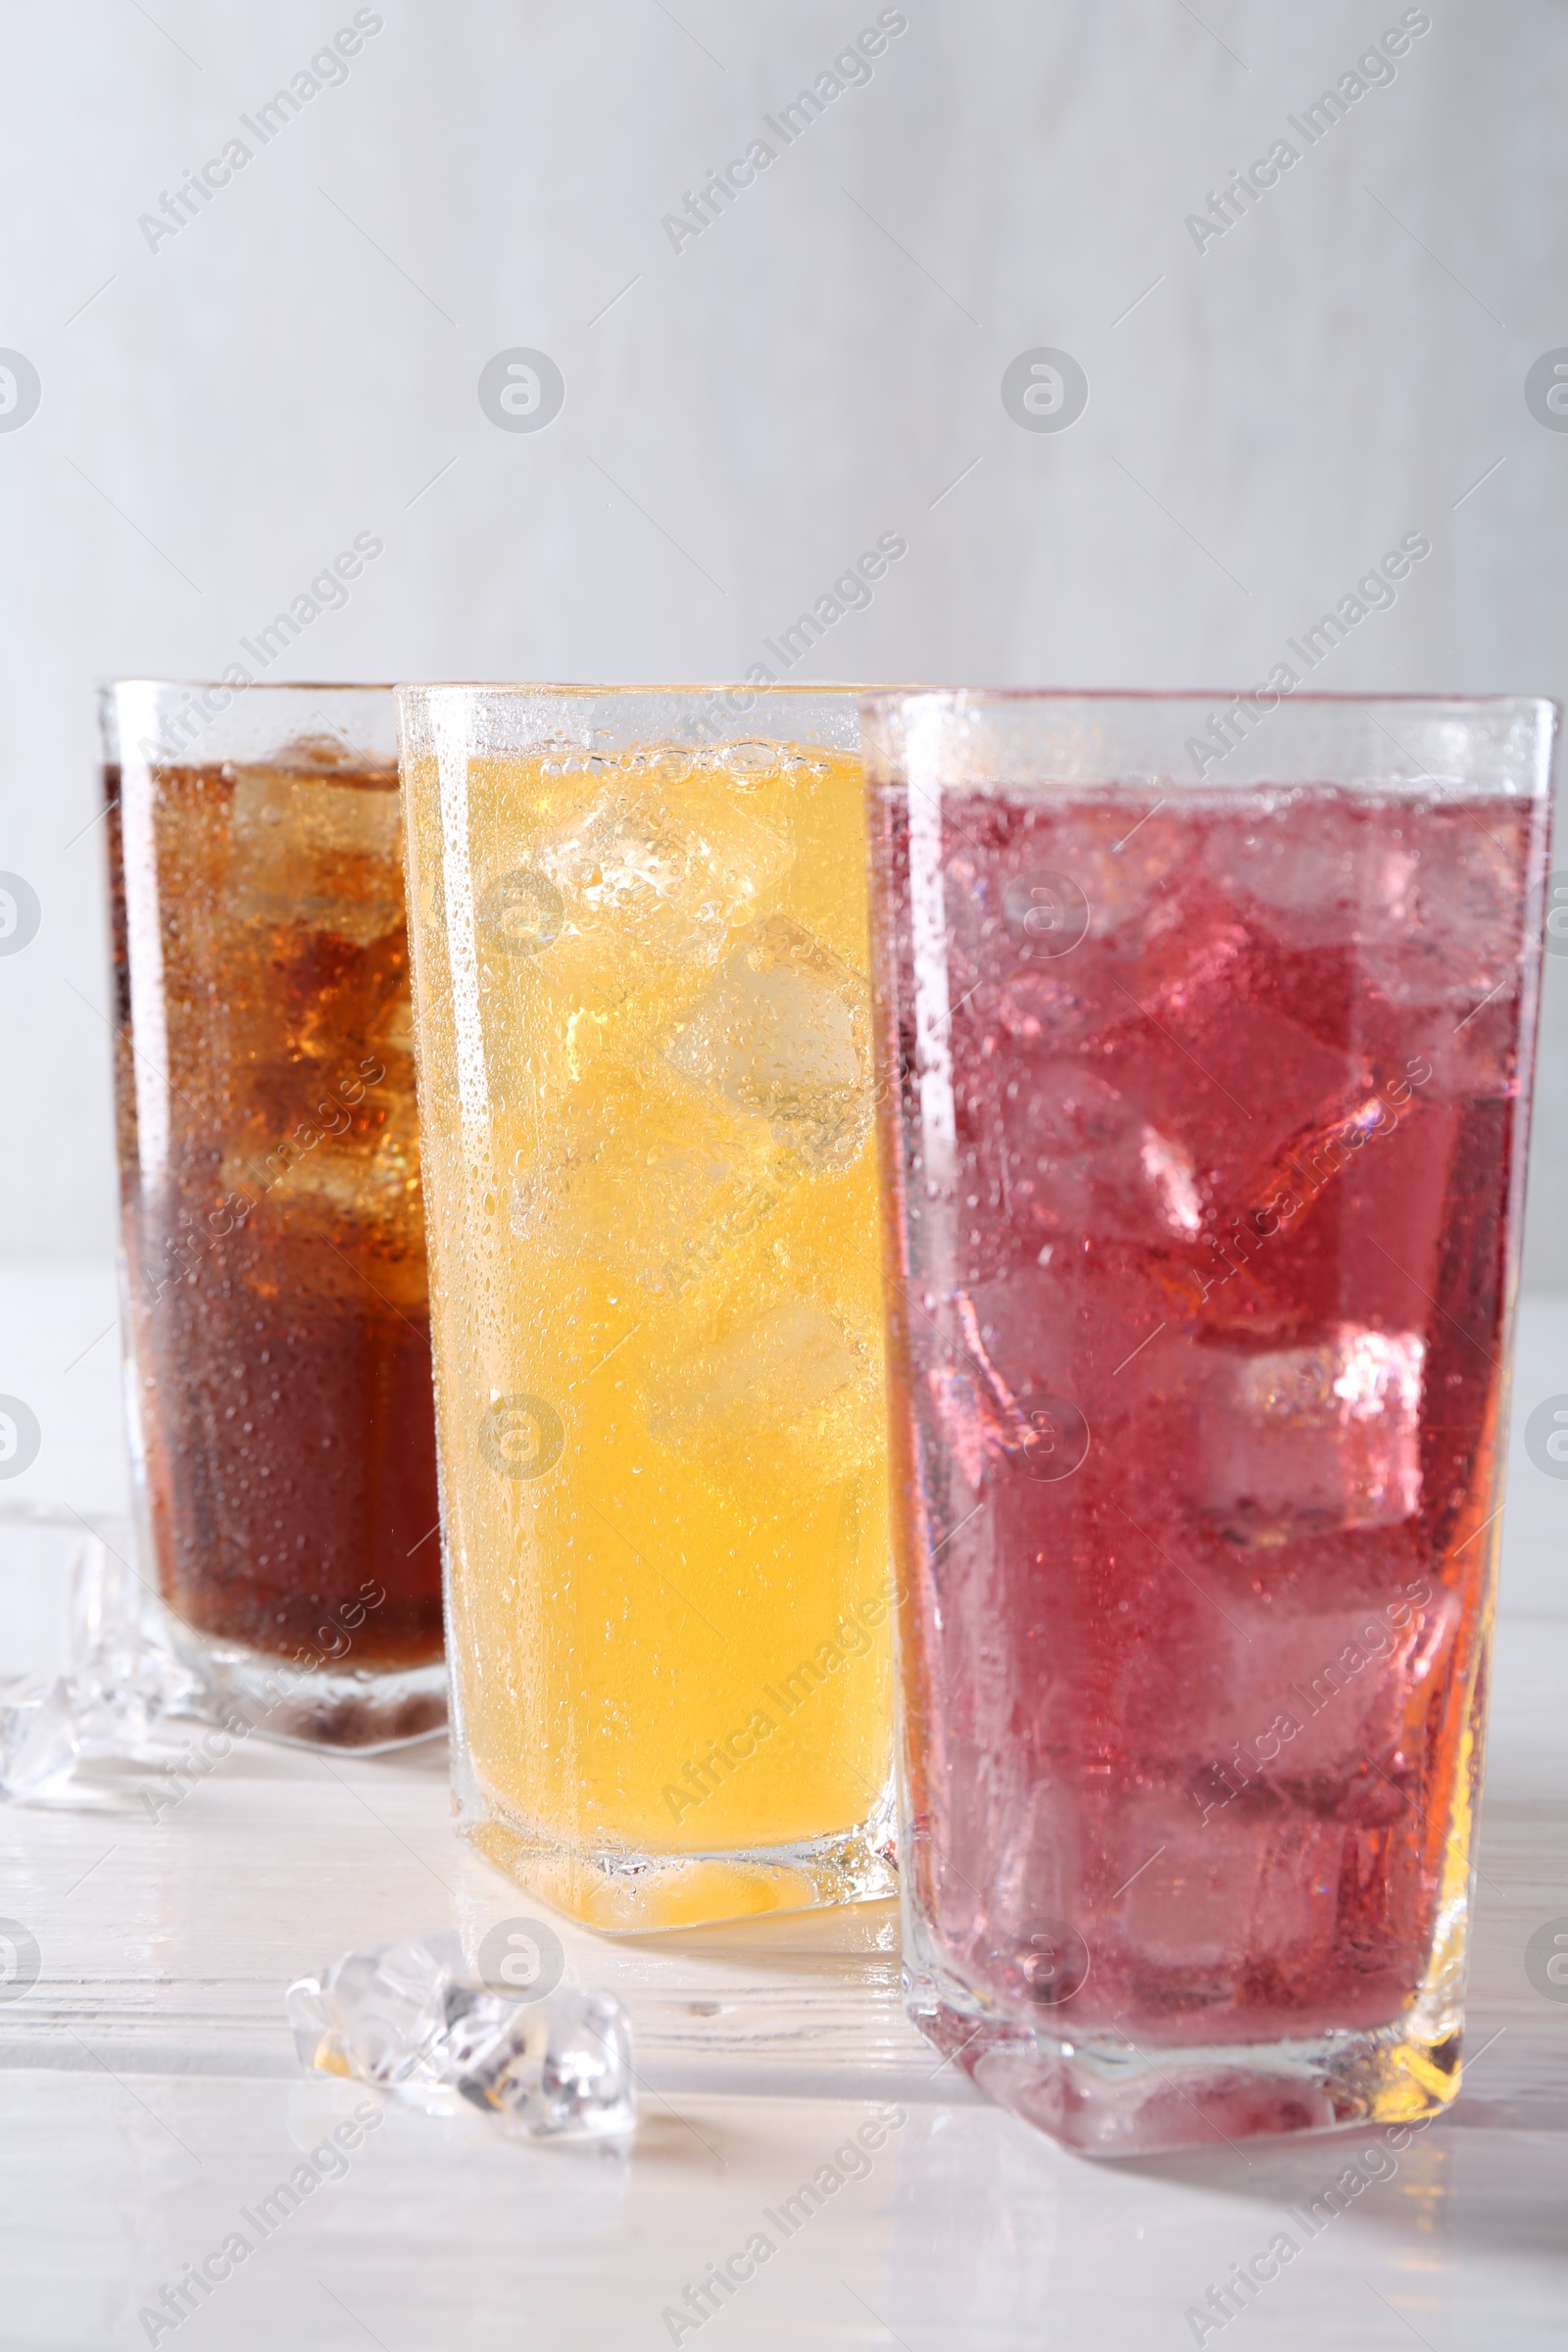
{"x":299,"y":364}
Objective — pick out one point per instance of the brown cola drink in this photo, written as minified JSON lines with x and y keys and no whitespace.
{"x":278,"y":1368}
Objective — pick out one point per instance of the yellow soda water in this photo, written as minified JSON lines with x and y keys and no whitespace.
{"x":646,"y":1110}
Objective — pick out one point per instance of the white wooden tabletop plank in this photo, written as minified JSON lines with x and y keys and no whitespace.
{"x":965,"y":2230}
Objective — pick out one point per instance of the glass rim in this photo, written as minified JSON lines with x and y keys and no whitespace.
{"x":155,"y":724}
{"x":884,"y":699}
{"x":1196,"y":744}
{"x":255,"y":685}
{"x":678,"y":689}
{"x":450,"y":720}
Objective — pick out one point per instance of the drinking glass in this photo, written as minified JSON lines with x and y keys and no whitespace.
{"x":642,"y":1015}
{"x":278,"y":1351}
{"x":1206,"y":1034}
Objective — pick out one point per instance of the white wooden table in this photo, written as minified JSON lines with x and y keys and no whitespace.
{"x":150,"y":2097}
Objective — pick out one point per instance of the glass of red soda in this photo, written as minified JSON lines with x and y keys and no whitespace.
{"x":1205,"y":1029}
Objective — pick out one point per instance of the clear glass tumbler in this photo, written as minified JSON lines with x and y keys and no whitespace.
{"x":278,"y":1350}
{"x":643,"y":1022}
{"x":1206,"y":1034}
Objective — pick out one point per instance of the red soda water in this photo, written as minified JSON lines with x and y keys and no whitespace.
{"x":1202,"y":1179}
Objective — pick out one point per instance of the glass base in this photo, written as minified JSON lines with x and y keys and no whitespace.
{"x":325,"y":1706}
{"x":1106,"y":2097}
{"x":620,"y":1892}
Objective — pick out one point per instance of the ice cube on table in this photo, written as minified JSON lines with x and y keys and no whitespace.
{"x":783,"y":1030}
{"x":1303,"y":1440}
{"x":122,"y":1669}
{"x":121,"y":1677}
{"x":374,"y":2015}
{"x":664,"y":877}
{"x":559,"y":2068}
{"x":41,"y":1552}
{"x":38,"y":1745}
{"x":120,"y":1692}
{"x":406,"y":2018}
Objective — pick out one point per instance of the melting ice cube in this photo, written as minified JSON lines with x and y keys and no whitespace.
{"x":374,"y":2015}
{"x":560,"y":2068}
{"x":1084,"y":1159}
{"x":329,"y":1174}
{"x":783,"y":1030}
{"x":406,"y":2018}
{"x":771,"y":1376}
{"x":1307,"y":871}
{"x":624,"y":1187}
{"x":1454,"y":936}
{"x":316,"y":855}
{"x":120,"y":1692}
{"x":39,"y":1743}
{"x":1310,"y":1439}
{"x":667,"y":880}
{"x":120,"y":1677}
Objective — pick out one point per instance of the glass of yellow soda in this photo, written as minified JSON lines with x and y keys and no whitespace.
{"x":643,"y":1026}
